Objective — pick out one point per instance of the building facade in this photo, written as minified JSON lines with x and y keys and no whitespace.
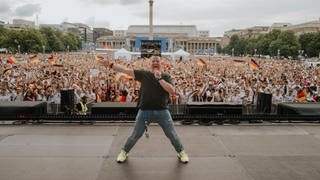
{"x":253,"y":32}
{"x":119,"y":33}
{"x":308,"y":27}
{"x":256,"y":31}
{"x":172,"y":38}
{"x":84,"y":32}
{"x":99,"y":32}
{"x":21,"y":24}
{"x":279,"y":26}
{"x":203,"y":34}
{"x":163,"y":30}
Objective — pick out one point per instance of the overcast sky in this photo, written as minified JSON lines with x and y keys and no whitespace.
{"x":214,"y":15}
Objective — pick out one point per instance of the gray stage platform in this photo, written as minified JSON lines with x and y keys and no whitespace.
{"x":264,"y":152}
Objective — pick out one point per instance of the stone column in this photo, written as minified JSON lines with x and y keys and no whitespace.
{"x":150,"y":19}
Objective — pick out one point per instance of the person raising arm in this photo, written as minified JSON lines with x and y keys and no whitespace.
{"x":156,"y":88}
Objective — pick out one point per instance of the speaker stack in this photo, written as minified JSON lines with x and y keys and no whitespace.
{"x":264,"y":102}
{"x":67,"y":100}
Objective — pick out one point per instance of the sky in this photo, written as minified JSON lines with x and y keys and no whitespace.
{"x":217,"y":16}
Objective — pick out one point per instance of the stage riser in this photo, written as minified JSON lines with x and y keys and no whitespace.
{"x":114,"y":108}
{"x":304,"y":109}
{"x":23,"y":108}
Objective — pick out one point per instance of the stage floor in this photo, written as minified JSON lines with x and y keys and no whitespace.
{"x":81,"y":152}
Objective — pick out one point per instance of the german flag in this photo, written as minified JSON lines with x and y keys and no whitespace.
{"x":201,"y":62}
{"x":52,"y":59}
{"x":301,"y":96}
{"x":253,"y":64}
{"x":34,"y":59}
{"x":123,"y":76}
{"x":12,"y":60}
{"x":238,"y":61}
{"x":99,"y":58}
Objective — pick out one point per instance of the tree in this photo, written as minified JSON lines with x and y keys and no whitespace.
{"x":305,"y":39}
{"x":219,"y":49}
{"x":3,"y":34}
{"x":310,"y":43}
{"x":262,"y":45}
{"x":233,"y":43}
{"x":72,"y":41}
{"x":33,"y":41}
{"x":264,"y":42}
{"x":54,"y":42}
{"x":12,"y":40}
{"x":313,"y":48}
{"x":287,"y":43}
{"x":274,"y":47}
{"x":251,"y":46}
{"x":237,"y":44}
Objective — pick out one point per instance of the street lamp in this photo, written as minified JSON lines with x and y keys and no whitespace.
{"x":19,"y":48}
{"x":43,"y":49}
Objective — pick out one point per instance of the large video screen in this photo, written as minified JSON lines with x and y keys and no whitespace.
{"x":150,"y":48}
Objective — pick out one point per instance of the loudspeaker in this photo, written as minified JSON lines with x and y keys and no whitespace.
{"x":264,"y":102}
{"x":67,"y":100}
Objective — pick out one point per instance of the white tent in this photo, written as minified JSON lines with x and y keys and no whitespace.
{"x":181,"y":54}
{"x":122,"y":54}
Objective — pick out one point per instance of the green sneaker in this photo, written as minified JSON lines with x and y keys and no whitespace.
{"x":122,"y":156}
{"x":183,"y":157}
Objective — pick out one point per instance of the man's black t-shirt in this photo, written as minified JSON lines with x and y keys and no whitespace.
{"x":152,"y":95}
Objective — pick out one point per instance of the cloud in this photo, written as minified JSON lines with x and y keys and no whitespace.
{"x":27,"y":10}
{"x":91,"y":21}
{"x":106,"y":2}
{"x":5,"y":8}
{"x":224,"y":15}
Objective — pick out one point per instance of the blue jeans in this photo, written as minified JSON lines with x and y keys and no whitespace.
{"x":163,"y":118}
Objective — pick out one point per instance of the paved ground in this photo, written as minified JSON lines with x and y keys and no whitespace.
{"x":74,"y":152}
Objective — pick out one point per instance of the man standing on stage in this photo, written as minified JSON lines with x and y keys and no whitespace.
{"x":153,"y":106}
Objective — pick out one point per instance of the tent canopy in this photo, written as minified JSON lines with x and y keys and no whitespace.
{"x":181,"y":54}
{"x":122,"y":54}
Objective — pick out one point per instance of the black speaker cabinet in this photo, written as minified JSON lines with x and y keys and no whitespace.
{"x":67,"y":100}
{"x":264,"y":102}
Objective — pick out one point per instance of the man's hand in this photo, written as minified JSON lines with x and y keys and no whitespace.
{"x":157,"y":74}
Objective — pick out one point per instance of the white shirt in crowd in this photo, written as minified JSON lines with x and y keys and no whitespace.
{"x":277,"y":98}
{"x":5,"y":98}
{"x":236,"y":98}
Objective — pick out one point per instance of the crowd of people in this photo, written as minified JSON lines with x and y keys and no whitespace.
{"x":213,"y":79}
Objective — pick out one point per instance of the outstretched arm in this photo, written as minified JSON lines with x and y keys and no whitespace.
{"x":117,"y":67}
